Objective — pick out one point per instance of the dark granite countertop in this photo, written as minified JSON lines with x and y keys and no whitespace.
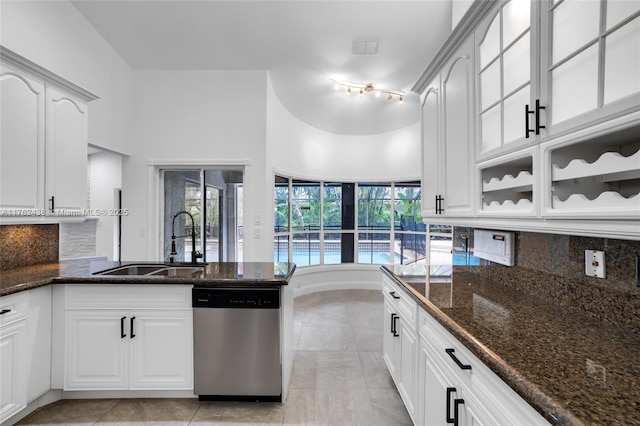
{"x":84,"y":271}
{"x":571,"y":368}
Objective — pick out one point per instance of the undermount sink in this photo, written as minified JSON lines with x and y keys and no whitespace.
{"x":155,"y":270}
{"x":179,"y":271}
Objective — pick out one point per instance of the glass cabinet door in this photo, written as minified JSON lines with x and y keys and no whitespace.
{"x":504,"y":69}
{"x":593,"y":60}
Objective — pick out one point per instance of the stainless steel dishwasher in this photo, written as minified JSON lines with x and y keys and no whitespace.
{"x":236,"y":338}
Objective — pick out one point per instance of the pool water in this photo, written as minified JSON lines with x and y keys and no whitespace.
{"x":333,"y":258}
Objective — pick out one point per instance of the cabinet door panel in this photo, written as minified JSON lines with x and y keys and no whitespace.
{"x":13,"y":389}
{"x":575,"y":23}
{"x":618,"y":10}
{"x":388,"y":343}
{"x":162,"y":350}
{"x":434,"y":402}
{"x":491,"y":129}
{"x":430,"y":150}
{"x":21,"y":141}
{"x":97,"y":356}
{"x":458,"y":134}
{"x":39,"y":342}
{"x":490,"y":45}
{"x":514,"y":114}
{"x":490,"y":85}
{"x":66,"y":151}
{"x":408,"y":351}
{"x":622,"y":63}
{"x":516,"y":61}
{"x":516,"y":20}
{"x":574,"y":88}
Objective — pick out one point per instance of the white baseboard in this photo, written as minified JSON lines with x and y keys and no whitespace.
{"x":46,"y":398}
{"x":122,"y":394}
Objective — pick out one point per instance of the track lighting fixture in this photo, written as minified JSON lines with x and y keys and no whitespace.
{"x":368,"y":88}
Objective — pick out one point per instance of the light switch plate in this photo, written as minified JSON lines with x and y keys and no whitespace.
{"x":594,"y":263}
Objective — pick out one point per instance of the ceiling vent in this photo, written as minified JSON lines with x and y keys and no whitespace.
{"x":365,"y":47}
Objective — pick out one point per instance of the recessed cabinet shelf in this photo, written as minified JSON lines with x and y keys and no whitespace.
{"x":600,"y":176}
{"x":521,"y":183}
{"x":508,"y":185}
{"x":610,"y":167}
{"x":603,"y":201}
{"x":523,"y":205}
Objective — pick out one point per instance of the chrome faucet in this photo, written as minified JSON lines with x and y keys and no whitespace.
{"x":195,"y":255}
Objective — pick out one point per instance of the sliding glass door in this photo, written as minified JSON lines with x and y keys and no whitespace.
{"x":203,"y":211}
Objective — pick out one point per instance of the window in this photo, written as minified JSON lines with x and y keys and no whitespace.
{"x":213,"y":198}
{"x":328,"y":223}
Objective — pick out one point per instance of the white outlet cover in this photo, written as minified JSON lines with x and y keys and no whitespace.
{"x":594,"y":263}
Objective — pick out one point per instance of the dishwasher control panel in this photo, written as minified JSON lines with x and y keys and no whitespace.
{"x":236,"y":297}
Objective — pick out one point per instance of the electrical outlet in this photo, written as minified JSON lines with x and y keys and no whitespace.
{"x":594,"y":263}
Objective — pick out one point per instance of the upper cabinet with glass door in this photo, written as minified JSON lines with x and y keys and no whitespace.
{"x":575,"y":66}
{"x":590,"y":66}
{"x":506,"y":87}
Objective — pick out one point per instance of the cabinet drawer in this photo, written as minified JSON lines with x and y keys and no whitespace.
{"x":127,"y":296}
{"x":405,"y":305}
{"x":448,"y":350}
{"x":14,"y":307}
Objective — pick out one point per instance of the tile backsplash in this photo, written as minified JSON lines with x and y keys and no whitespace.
{"x":26,"y":245}
{"x":552,"y":266}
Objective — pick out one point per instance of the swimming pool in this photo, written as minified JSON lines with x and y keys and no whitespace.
{"x":377,"y":258}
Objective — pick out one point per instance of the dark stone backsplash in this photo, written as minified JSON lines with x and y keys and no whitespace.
{"x":27,"y":245}
{"x":551,"y":266}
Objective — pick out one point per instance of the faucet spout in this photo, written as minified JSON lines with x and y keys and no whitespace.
{"x":195,"y":255}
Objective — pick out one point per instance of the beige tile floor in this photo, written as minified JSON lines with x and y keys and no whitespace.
{"x":339,"y":378}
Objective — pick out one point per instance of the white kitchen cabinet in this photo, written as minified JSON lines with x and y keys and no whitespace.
{"x":400,"y":342}
{"x":590,"y":62}
{"x":448,"y":138}
{"x":39,"y":342}
{"x":43,"y":142}
{"x":161,"y":353}
{"x":408,"y":351}
{"x":448,"y":372}
{"x":13,"y":354}
{"x":446,"y":401}
{"x":146,"y":344}
{"x":390,"y":343}
{"x":66,"y":152}
{"x":431,"y":149}
{"x":21,"y":140}
{"x":97,"y":350}
{"x":558,"y":114}
{"x":546,"y":68}
{"x":508,"y":185}
{"x":506,"y":52}
{"x":593,"y":173}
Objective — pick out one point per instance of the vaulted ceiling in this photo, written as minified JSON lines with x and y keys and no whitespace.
{"x":303,"y":44}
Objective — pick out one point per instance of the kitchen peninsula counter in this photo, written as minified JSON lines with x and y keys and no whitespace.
{"x":84,"y":272}
{"x":571,"y":368}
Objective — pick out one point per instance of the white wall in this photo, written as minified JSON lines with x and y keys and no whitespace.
{"x":56,"y":36}
{"x":105,"y":176}
{"x":458,"y":9}
{"x":300,"y":150}
{"x":198,"y":117}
